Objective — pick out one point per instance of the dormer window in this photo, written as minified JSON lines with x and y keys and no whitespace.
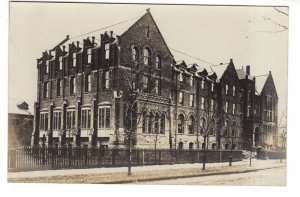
{"x":192,"y":81}
{"x":212,"y":87}
{"x":233,"y":90}
{"x":47,"y":66}
{"x":60,"y":59}
{"x":180,"y":77}
{"x":106,"y":50}
{"x":202,"y":84}
{"x":74,"y":59}
{"x":226,"y":89}
{"x":89,"y":55}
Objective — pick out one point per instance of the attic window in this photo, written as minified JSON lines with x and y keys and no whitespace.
{"x":148,"y":31}
{"x":60,"y":59}
{"x":106,"y":49}
{"x":47,"y":66}
{"x":89,"y":55}
{"x":74,"y":59}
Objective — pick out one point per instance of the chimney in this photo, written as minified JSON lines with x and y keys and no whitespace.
{"x":77,"y":44}
{"x":231,"y":60}
{"x":248,"y":70}
{"x":111,"y":34}
{"x":93,"y":40}
{"x":64,"y":48}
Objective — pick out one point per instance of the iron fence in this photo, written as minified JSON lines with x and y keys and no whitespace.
{"x":33,"y":158}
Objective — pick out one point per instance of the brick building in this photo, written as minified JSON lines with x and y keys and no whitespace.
{"x":93,"y":93}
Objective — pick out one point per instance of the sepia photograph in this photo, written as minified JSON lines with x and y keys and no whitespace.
{"x":147,"y":94}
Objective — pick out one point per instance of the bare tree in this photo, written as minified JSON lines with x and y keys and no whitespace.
{"x":282,"y":26}
{"x":139,"y":84}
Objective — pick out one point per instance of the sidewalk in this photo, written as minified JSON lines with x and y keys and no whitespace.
{"x":139,"y":173}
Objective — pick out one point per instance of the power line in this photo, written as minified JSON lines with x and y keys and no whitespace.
{"x":104,"y":27}
{"x":192,"y":56}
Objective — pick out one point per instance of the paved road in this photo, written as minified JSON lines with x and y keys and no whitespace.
{"x":268,"y":177}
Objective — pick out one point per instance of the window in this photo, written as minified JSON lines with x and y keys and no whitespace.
{"x":203,"y":123}
{"x":72,"y":85}
{"x":150,"y":123}
{"x":191,"y":145}
{"x":162,"y":124}
{"x":158,"y":62}
{"x":145,"y":83}
{"x":133,"y":81}
{"x":233,"y":90}
{"x":192,"y":81}
{"x":156,"y":124}
{"x":106,"y":80}
{"x":180,"y":124}
{"x":227,"y":89}
{"x":248,"y":111}
{"x":59,"y":87}
{"x":226,"y":123}
{"x":47,"y":66}
{"x":191,"y":125}
{"x":202,"y":103}
{"x":56,"y":120}
{"x":46,"y":89}
{"x":157,"y":87}
{"x":233,"y":108}
{"x":180,"y":100}
{"x":60,"y":60}
{"x":135,"y":55}
{"x":85,"y":118}
{"x":87,"y":83}
{"x":148,"y":31}
{"x":89,"y":55}
{"x":144,"y":123}
{"x":104,"y":117}
{"x":180,"y":77}
{"x":44,"y":121}
{"x":70,"y":123}
{"x":212,"y":87}
{"x":147,"y":57}
{"x":106,"y":51}
{"x":226,"y":107}
{"x":212,"y":105}
{"x":74,"y":59}
{"x":226,"y":128}
{"x":180,"y":146}
{"x":192,"y":98}
{"x":212,"y":127}
{"x":202,"y":84}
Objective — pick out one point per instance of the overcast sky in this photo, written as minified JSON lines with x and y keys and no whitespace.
{"x":211,"y":33}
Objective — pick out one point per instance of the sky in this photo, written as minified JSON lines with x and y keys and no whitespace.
{"x":213,"y":34}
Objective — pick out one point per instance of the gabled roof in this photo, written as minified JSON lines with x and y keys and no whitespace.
{"x":260,"y":82}
{"x":268,"y":82}
{"x":219,"y":70}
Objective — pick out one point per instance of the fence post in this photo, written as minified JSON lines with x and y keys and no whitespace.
{"x":85,"y":155}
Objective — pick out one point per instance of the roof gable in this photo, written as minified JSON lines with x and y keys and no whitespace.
{"x":269,"y":84}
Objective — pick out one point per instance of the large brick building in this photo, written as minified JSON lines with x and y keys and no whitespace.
{"x":93,"y":93}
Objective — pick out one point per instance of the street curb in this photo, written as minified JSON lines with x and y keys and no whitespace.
{"x":187,"y":176}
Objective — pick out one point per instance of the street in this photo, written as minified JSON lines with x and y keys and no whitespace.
{"x":268,"y":177}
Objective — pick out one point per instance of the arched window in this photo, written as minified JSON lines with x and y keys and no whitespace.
{"x":135,"y":55}
{"x":191,"y":145}
{"x":203,"y":145}
{"x":162,"y":124}
{"x":180,"y":145}
{"x":156,"y":125}
{"x":213,"y":146}
{"x":191,"y":125}
{"x":144,"y":123}
{"x":226,"y":146}
{"x":150,"y":123}
{"x":147,"y":57}
{"x":212,"y":127}
{"x":158,"y":62}
{"x":180,"y":124}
